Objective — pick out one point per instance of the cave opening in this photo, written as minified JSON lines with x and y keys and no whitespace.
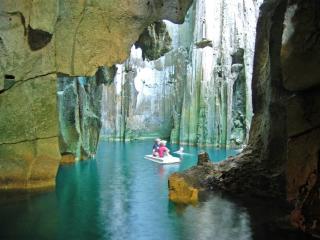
{"x":184,"y":84}
{"x":191,"y":84}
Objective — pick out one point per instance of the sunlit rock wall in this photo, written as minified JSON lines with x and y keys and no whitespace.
{"x":136,"y":105}
{"x":217,"y":97}
{"x":43,"y":38}
{"x":206,"y":77}
{"x":146,"y":96}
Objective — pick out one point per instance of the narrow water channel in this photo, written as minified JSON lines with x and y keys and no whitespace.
{"x":120,"y":195}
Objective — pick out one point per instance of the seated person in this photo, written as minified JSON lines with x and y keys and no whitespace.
{"x":155,"y":148}
{"x":163,"y":150}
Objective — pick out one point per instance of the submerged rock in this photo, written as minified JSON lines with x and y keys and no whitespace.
{"x":181,"y":191}
{"x":185,"y":188}
{"x":203,"y":158}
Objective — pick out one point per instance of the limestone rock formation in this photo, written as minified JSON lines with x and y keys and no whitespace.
{"x":155,"y":41}
{"x":39,"y":39}
{"x":216,"y":108}
{"x":29,"y":151}
{"x":182,"y":191}
{"x":282,"y":159}
{"x":204,"y":83}
{"x":136,"y":105}
{"x":79,"y":115}
{"x":61,"y":35}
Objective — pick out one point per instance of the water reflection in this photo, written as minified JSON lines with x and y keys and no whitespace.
{"x":215,"y":219}
{"x":165,"y":170}
{"x":120,"y":195}
{"x":134,"y":204}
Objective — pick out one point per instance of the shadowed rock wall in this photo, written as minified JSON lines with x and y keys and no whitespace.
{"x":300,"y":56}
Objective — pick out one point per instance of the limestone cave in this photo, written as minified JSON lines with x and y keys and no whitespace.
{"x":86,"y":86}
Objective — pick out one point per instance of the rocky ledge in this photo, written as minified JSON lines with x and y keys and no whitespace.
{"x":237,"y":174}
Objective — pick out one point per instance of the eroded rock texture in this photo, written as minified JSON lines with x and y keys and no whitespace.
{"x":216,"y":108}
{"x":282,"y":159}
{"x":201,"y":90}
{"x":39,"y":39}
{"x":79,"y":100}
{"x":155,"y":41}
{"x":139,"y":102}
{"x":29,"y":151}
{"x":136,"y":105}
{"x":300,"y":59}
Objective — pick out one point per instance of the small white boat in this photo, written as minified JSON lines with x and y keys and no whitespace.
{"x":164,"y":160}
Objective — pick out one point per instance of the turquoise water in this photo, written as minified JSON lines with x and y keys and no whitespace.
{"x":120,"y":195}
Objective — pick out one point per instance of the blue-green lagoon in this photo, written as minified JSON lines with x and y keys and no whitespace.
{"x":120,"y":195}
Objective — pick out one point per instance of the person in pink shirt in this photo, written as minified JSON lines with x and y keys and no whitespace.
{"x":163,"y":150}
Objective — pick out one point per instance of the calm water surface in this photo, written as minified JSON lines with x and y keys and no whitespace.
{"x":120,"y":195}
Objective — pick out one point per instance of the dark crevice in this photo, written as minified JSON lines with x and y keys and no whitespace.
{"x":38,"y":38}
{"x":12,"y":82}
{"x":238,"y":56}
{"x":27,"y":140}
{"x":67,"y":153}
{"x":305,"y":132}
{"x":318,"y":163}
{"x":9,"y":77}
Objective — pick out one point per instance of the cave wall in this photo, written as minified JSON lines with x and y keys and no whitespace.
{"x":79,"y":107}
{"x":43,"y":38}
{"x":139,"y":103}
{"x":281,"y":161}
{"x":136,"y":105}
{"x":300,"y":69}
{"x":29,"y":151}
{"x":216,"y":108}
{"x":285,"y":130}
{"x":205,"y":79}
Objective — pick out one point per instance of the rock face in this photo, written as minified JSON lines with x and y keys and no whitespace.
{"x":136,"y":105}
{"x":29,"y":151}
{"x":301,"y":80}
{"x":60,"y":35}
{"x":201,"y":90}
{"x":155,"y":41}
{"x":282,"y":159}
{"x":43,"y":38}
{"x":79,"y":101}
{"x":216,"y":107}
{"x":182,"y":191}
